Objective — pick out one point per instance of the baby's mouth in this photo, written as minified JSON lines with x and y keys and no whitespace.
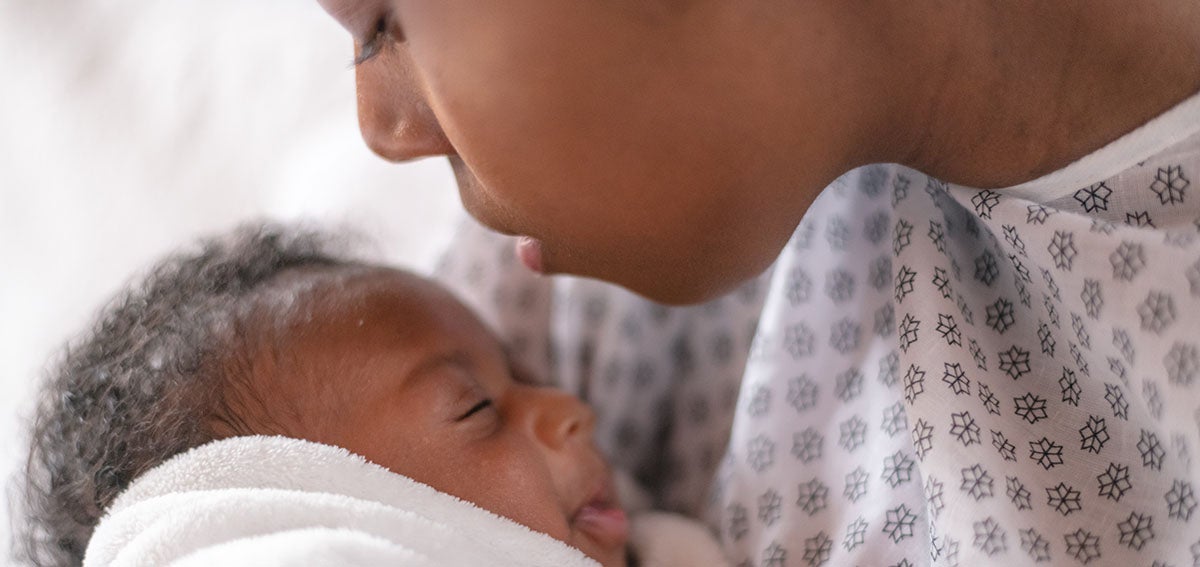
{"x":602,"y":518}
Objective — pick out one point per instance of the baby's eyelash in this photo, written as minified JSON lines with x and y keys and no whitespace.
{"x":373,"y":44}
{"x":476,"y":409}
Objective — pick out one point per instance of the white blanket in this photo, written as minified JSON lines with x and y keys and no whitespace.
{"x":276,"y":501}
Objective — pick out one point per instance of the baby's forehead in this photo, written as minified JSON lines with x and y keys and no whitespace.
{"x":338,"y":317}
{"x":305,"y":295}
{"x":314,"y":324}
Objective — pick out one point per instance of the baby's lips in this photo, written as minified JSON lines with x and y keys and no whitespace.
{"x":608,"y":525}
{"x":529,"y":250}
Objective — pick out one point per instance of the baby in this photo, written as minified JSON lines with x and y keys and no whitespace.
{"x":272,"y":331}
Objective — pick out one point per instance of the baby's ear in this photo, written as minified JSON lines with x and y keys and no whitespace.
{"x":634,"y":498}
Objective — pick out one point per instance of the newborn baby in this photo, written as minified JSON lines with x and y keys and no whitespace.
{"x":270,"y":332}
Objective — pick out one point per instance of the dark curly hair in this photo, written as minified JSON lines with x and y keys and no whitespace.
{"x":145,"y":382}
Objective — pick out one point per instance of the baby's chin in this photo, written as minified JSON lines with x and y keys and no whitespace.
{"x":608,"y":557}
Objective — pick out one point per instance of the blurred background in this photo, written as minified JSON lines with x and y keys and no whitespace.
{"x":129,"y":128}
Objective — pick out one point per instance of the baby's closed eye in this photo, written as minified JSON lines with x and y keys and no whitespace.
{"x":482,"y":405}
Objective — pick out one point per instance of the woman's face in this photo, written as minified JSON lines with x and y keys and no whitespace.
{"x":616,"y":134}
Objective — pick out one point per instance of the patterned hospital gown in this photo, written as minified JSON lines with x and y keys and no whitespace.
{"x":929,"y":374}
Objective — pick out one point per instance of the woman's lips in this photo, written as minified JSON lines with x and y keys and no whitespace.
{"x":529,"y":250}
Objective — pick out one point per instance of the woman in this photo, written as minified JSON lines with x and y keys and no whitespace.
{"x":986,"y":352}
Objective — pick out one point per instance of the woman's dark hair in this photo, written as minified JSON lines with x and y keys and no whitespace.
{"x":144,"y":383}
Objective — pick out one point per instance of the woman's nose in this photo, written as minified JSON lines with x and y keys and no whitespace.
{"x":558,"y":418}
{"x":395,"y":120}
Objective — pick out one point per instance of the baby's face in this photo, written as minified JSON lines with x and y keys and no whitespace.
{"x":394,"y":368}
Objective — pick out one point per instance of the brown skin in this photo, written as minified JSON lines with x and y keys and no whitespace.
{"x":390,"y":366}
{"x":672,"y":146}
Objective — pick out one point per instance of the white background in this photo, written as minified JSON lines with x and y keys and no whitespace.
{"x":127,"y":128}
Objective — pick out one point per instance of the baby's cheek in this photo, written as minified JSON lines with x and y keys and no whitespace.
{"x":520,"y":489}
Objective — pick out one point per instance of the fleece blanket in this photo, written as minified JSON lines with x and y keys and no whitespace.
{"x":274,"y":501}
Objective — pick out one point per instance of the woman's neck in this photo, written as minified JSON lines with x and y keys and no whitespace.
{"x":1030,"y":87}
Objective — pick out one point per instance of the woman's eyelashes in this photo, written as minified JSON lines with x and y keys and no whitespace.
{"x":374,"y":42}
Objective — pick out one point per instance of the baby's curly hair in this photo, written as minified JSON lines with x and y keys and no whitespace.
{"x":146,"y":382}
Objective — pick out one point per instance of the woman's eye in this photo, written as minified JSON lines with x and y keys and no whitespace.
{"x":486,"y":403}
{"x":374,"y":42}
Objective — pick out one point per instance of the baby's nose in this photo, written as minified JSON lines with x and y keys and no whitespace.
{"x":560,"y":417}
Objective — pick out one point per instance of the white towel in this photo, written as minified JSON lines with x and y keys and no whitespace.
{"x":279,"y":501}
{"x":275,"y":501}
